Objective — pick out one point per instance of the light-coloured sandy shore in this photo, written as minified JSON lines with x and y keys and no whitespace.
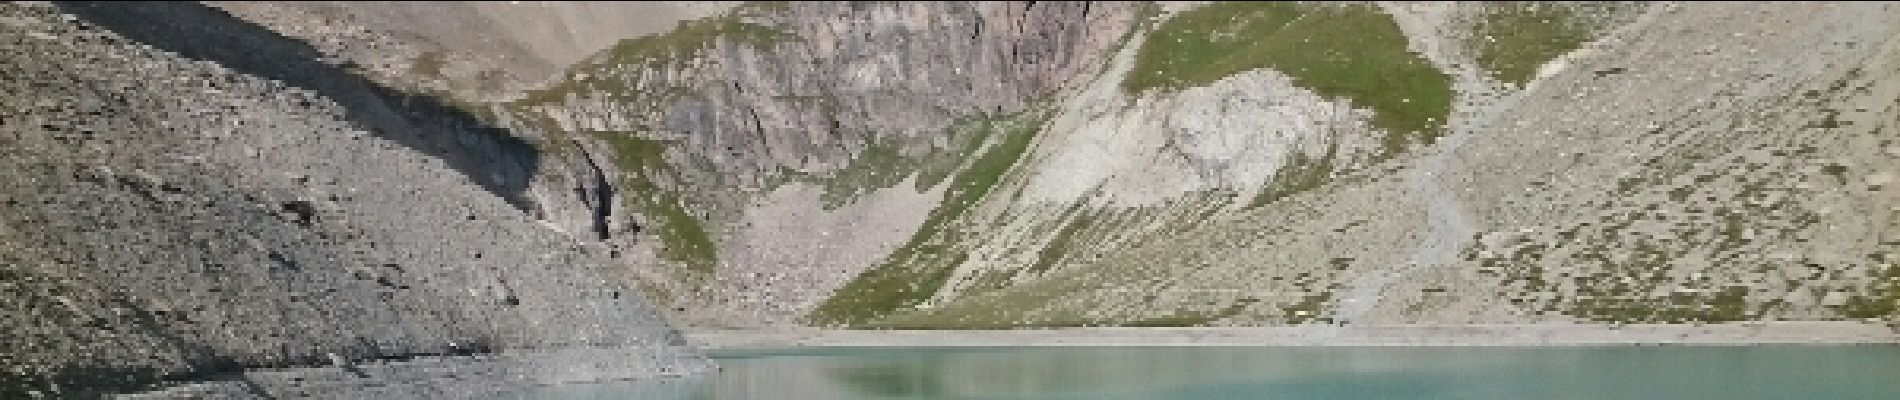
{"x":1396,"y":335}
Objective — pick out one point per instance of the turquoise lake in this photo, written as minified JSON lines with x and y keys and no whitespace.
{"x":1647,"y":372}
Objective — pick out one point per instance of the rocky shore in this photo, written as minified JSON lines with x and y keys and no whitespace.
{"x":461,"y":377}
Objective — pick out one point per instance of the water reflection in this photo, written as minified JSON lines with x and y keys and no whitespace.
{"x":1263,"y":373}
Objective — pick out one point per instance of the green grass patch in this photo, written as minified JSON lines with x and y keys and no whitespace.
{"x":429,"y":64}
{"x":1065,"y":241}
{"x":1010,"y":308}
{"x":1310,"y":309}
{"x":882,"y":164}
{"x":1300,"y":174}
{"x":1178,"y":318}
{"x":1353,"y":52}
{"x":1514,"y":39}
{"x":966,"y":138}
{"x":1883,"y":301}
{"x":1200,"y":46}
{"x":915,"y":271}
{"x":1623,"y":304}
{"x":1839,"y":172}
{"x":1184,"y":318}
{"x":683,"y":238}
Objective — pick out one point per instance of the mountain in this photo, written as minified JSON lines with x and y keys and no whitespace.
{"x":935,"y":165}
{"x":1065,"y":164}
{"x":943,"y":164}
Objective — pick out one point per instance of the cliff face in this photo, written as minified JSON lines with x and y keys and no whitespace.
{"x":175,"y":212}
{"x":690,"y":129}
{"x":808,"y":86}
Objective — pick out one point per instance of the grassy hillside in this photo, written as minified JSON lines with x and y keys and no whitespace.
{"x":1355,"y":52}
{"x":1514,"y":39}
{"x":915,"y":271}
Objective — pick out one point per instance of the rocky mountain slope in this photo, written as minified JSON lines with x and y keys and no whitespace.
{"x":942,"y":164}
{"x":702,"y":135}
{"x":1670,"y":169}
{"x":206,"y":201}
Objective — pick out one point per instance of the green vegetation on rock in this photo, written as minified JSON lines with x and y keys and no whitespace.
{"x":1514,"y":39}
{"x":880,"y":165}
{"x":1300,"y":174}
{"x":689,"y":39}
{"x":1353,"y":52}
{"x":1311,"y":308}
{"x":915,"y":271}
{"x":883,"y":164}
{"x":429,"y":64}
{"x":1064,"y":242}
{"x":1727,"y":305}
{"x":683,"y":238}
{"x":1883,"y":300}
{"x":672,"y":49}
{"x":1187,"y":317}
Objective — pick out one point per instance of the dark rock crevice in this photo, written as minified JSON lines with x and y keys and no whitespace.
{"x":602,"y":196}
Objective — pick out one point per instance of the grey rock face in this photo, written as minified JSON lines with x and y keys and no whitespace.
{"x":800,"y":90}
{"x":847,"y":74}
{"x":167,"y":218}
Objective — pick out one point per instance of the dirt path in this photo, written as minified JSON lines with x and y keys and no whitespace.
{"x":1449,"y":227}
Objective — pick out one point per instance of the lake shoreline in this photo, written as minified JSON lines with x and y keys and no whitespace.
{"x":1752,"y":333}
{"x":504,"y":374}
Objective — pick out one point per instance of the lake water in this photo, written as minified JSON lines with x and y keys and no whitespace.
{"x":1670,"y":372}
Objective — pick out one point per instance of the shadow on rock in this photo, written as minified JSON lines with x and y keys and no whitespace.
{"x":491,"y":157}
